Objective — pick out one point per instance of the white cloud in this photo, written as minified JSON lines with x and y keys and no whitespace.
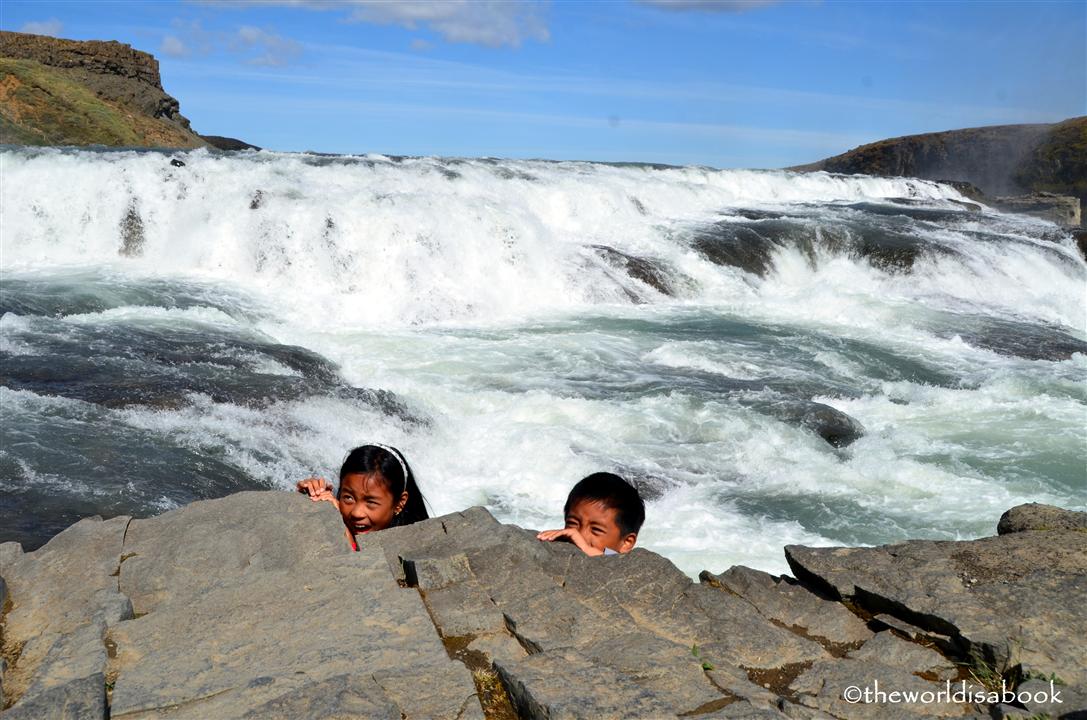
{"x":421,"y":45}
{"x":493,"y":23}
{"x":52,"y":26}
{"x":173,"y":47}
{"x":710,"y":5}
{"x":485,"y":22}
{"x":271,"y":49}
{"x":258,"y":46}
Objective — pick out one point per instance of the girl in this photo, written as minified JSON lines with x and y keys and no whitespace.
{"x":377,"y":490}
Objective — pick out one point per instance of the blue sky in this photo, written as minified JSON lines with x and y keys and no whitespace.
{"x":726,"y":84}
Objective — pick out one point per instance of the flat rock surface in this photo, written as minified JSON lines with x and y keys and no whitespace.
{"x":63,"y":593}
{"x":788,"y":603}
{"x":1008,"y":597}
{"x":253,"y":606}
{"x":180,"y":554}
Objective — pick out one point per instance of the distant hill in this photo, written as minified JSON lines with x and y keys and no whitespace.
{"x":999,"y":159}
{"x":69,"y":92}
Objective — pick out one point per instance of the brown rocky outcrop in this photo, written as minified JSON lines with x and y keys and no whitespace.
{"x":1001,"y":160}
{"x":68,"y":92}
{"x":115,"y":71}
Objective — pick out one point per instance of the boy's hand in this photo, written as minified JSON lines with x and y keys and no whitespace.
{"x":569,"y":535}
{"x":318,"y":489}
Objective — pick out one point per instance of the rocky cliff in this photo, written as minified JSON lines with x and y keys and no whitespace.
{"x":1000,"y":160}
{"x":68,"y":92}
{"x":252,"y":606}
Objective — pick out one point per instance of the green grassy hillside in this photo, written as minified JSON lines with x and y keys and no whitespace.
{"x":41,"y":105}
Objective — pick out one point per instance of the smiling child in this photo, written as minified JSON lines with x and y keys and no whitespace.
{"x":377,"y":490}
{"x":603,"y":516}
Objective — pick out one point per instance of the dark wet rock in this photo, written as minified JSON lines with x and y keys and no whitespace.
{"x":1039,"y":517}
{"x":174,"y":162}
{"x":1003,"y":600}
{"x":887,"y":248}
{"x":754,"y":214}
{"x":972,"y":207}
{"x":384,"y":400}
{"x":163,"y":368}
{"x":1080,"y":237}
{"x":967,"y":190}
{"x":640,"y":269}
{"x":1016,"y":339}
{"x":1061,"y":209}
{"x":132,"y":232}
{"x":118,"y":463}
{"x":650,"y":487}
{"x":834,"y":426}
{"x":906,"y":209}
{"x":751,"y":245}
{"x":226,"y":143}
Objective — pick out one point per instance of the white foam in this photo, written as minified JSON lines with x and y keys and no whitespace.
{"x":377,"y":244}
{"x":480,"y":301}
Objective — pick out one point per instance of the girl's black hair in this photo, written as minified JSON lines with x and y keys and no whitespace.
{"x":367,"y":459}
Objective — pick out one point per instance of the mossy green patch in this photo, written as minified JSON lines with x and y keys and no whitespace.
{"x":1059,"y":163}
{"x":41,"y":106}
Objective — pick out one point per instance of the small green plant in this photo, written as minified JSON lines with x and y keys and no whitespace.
{"x":706,"y":665}
{"x":1037,"y":675}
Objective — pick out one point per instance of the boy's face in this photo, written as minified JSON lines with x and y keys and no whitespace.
{"x":598,"y":524}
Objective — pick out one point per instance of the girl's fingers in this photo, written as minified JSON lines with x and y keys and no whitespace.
{"x":313,"y":486}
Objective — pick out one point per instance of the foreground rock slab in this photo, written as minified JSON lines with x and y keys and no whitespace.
{"x":253,"y":606}
{"x":1009,"y":601}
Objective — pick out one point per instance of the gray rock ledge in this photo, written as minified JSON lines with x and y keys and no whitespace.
{"x":252,"y":606}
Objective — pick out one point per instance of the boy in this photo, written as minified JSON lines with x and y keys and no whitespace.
{"x":603,"y":516}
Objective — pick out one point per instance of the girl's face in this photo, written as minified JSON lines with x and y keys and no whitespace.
{"x":366,"y":503}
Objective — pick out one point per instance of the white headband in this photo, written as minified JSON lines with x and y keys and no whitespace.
{"x":396,"y":454}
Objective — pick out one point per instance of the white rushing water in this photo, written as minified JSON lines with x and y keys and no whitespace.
{"x":476,"y":291}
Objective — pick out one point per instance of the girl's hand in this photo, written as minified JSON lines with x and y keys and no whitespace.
{"x":569,"y":535}
{"x":317,"y":489}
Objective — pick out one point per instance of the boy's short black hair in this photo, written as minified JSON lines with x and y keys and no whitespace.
{"x":613,"y":492}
